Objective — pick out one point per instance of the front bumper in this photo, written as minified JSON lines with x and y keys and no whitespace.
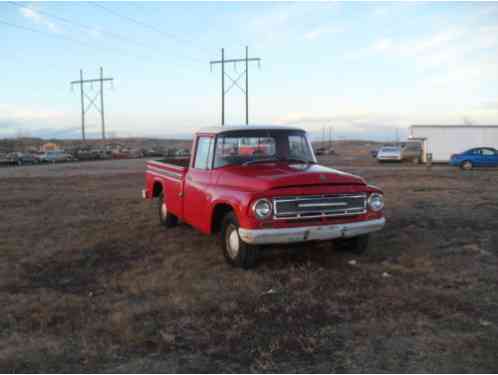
{"x":311,"y":233}
{"x":388,"y":157}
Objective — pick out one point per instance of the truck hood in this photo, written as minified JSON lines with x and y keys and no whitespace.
{"x":262,"y":177}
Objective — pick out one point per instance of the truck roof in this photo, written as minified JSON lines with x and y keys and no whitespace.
{"x":229,"y":128}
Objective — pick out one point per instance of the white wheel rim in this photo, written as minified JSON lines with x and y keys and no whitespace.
{"x":164,"y":210}
{"x":232,"y":242}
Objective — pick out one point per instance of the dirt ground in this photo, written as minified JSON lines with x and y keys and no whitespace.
{"x":89,"y":281}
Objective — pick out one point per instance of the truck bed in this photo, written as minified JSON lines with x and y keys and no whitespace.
{"x":169,"y":173}
{"x":177,"y":162}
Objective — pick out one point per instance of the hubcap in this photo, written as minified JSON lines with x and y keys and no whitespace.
{"x":467,"y":165}
{"x":232,"y":241}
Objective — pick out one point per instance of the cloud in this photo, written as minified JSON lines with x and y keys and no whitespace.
{"x":39,"y":19}
{"x":25,"y":113}
{"x":320,"y":31}
{"x":452,"y":55}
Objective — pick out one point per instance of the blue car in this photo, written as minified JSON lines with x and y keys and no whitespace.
{"x":476,"y":157}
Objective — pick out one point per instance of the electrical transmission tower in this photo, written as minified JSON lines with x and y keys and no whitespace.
{"x":235,"y":82}
{"x":92,"y":102}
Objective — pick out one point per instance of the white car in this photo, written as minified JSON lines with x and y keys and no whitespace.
{"x":389,"y":153}
{"x":55,"y":156}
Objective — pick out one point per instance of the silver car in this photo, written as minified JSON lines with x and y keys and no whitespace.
{"x":389,"y":153}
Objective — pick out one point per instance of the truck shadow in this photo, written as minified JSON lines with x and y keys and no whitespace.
{"x":320,"y":254}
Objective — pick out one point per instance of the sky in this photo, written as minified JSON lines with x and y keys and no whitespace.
{"x":365,"y":69}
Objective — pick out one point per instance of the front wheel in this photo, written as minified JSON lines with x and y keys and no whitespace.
{"x":237,"y":253}
{"x":467,"y":165}
{"x":355,"y":245}
{"x":165,"y":218}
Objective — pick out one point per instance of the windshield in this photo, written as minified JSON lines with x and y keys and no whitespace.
{"x":260,"y":146}
{"x":390,"y":149}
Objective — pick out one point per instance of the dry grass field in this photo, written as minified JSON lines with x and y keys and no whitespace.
{"x":90,"y":282}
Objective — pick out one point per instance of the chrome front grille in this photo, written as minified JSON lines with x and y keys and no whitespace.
{"x":315,"y":206}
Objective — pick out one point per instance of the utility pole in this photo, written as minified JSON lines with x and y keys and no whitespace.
{"x":82,"y":108}
{"x":247,"y":86}
{"x":330,"y":137}
{"x":235,"y":82}
{"x":102,"y":102}
{"x":222,"y":87}
{"x":92,"y":101}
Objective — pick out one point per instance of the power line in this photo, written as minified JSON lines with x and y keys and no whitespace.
{"x":90,"y":28}
{"x":145,"y":25}
{"x":121,"y":52}
{"x":83,"y":26}
{"x":56,"y":36}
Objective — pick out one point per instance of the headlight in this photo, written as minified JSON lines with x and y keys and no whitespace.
{"x":262,"y":209}
{"x":376,"y":202}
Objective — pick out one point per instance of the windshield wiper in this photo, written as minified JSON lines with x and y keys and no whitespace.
{"x":266,"y":160}
{"x":296,"y":160}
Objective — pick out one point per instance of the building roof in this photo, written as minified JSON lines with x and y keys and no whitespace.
{"x":454,"y":126}
{"x":229,"y":128}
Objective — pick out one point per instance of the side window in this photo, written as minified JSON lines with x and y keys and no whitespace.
{"x":487,"y":152}
{"x":298,"y":147}
{"x":203,"y":153}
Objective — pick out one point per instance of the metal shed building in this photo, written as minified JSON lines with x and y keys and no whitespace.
{"x":444,"y":140}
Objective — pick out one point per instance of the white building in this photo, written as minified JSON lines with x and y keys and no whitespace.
{"x":444,"y":140}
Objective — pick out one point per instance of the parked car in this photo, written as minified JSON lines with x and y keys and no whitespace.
{"x":475,"y":157}
{"x":183,"y":152}
{"x":136,"y":153}
{"x":20,"y":158}
{"x":91,"y":154}
{"x":320,"y":151}
{"x":4,"y":159}
{"x":151,"y":152}
{"x":55,"y":156}
{"x":279,"y":196}
{"x":374,"y":152}
{"x":389,"y":153}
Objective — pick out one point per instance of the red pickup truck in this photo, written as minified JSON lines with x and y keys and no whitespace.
{"x":274,"y":194}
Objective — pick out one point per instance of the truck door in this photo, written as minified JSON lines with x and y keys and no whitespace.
{"x":197,"y":181}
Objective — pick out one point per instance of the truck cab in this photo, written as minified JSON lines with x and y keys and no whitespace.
{"x":262,"y":185}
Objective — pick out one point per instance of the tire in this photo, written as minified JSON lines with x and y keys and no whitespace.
{"x":466,"y":165}
{"x":166,"y":219}
{"x":356,"y":245}
{"x":237,"y":253}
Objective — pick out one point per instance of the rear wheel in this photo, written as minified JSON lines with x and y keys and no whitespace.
{"x":165,"y":218}
{"x":355,"y":245}
{"x":237,"y":253}
{"x":467,"y":165}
